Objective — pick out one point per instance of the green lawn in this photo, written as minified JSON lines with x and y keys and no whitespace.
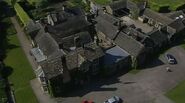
{"x":33,"y":1}
{"x":102,"y":2}
{"x":183,"y":46}
{"x":177,"y":94}
{"x":174,"y":4}
{"x":21,"y":71}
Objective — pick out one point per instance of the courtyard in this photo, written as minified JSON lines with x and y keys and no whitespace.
{"x":138,"y":24}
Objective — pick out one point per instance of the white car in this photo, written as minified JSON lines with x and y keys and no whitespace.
{"x":114,"y":99}
{"x":171,"y":59}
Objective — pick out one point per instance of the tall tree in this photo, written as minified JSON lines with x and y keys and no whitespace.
{"x":13,"y":2}
{"x":41,"y":3}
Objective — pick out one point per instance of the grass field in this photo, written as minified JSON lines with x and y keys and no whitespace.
{"x":33,"y":1}
{"x":155,"y":4}
{"x":173,"y":4}
{"x":102,"y":2}
{"x":183,"y":46}
{"x":20,"y":71}
{"x":177,"y":94}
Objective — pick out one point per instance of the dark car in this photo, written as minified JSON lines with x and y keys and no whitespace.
{"x":171,"y":59}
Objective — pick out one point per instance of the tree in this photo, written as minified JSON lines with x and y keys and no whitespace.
{"x":13,"y":2}
{"x":135,"y":13}
{"x":41,"y":3}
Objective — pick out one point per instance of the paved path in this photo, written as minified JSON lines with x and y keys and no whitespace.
{"x":26,"y":46}
{"x":156,"y":81}
{"x":43,"y":97}
{"x":25,"y":43}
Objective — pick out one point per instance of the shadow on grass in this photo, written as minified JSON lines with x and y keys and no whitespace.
{"x":6,"y":29}
{"x":182,"y":7}
{"x":164,"y":9}
{"x":7,"y":71}
{"x":6,"y":10}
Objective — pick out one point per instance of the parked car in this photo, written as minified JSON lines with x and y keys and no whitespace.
{"x":171,"y":59}
{"x":114,"y":99}
{"x":86,"y":101}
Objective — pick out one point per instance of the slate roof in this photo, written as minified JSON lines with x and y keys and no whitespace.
{"x":157,"y":17}
{"x":62,"y":15}
{"x":84,"y":37}
{"x":130,"y":45}
{"x":178,"y":22}
{"x":158,"y":37}
{"x":69,"y":27}
{"x":114,"y":55}
{"x":75,"y":11}
{"x":178,"y":25}
{"x":89,"y":53}
{"x":134,"y":33}
{"x":175,"y":14}
{"x":52,"y":67}
{"x":118,"y":4}
{"x":72,"y":60}
{"x":32,"y":27}
{"x":105,"y":24}
{"x":47,"y":44}
{"x":92,"y":52}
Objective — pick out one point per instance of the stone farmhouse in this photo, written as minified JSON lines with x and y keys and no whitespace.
{"x":140,"y":36}
{"x":70,"y":47}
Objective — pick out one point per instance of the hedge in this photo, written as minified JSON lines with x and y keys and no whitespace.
{"x":3,"y":96}
{"x":23,"y":16}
